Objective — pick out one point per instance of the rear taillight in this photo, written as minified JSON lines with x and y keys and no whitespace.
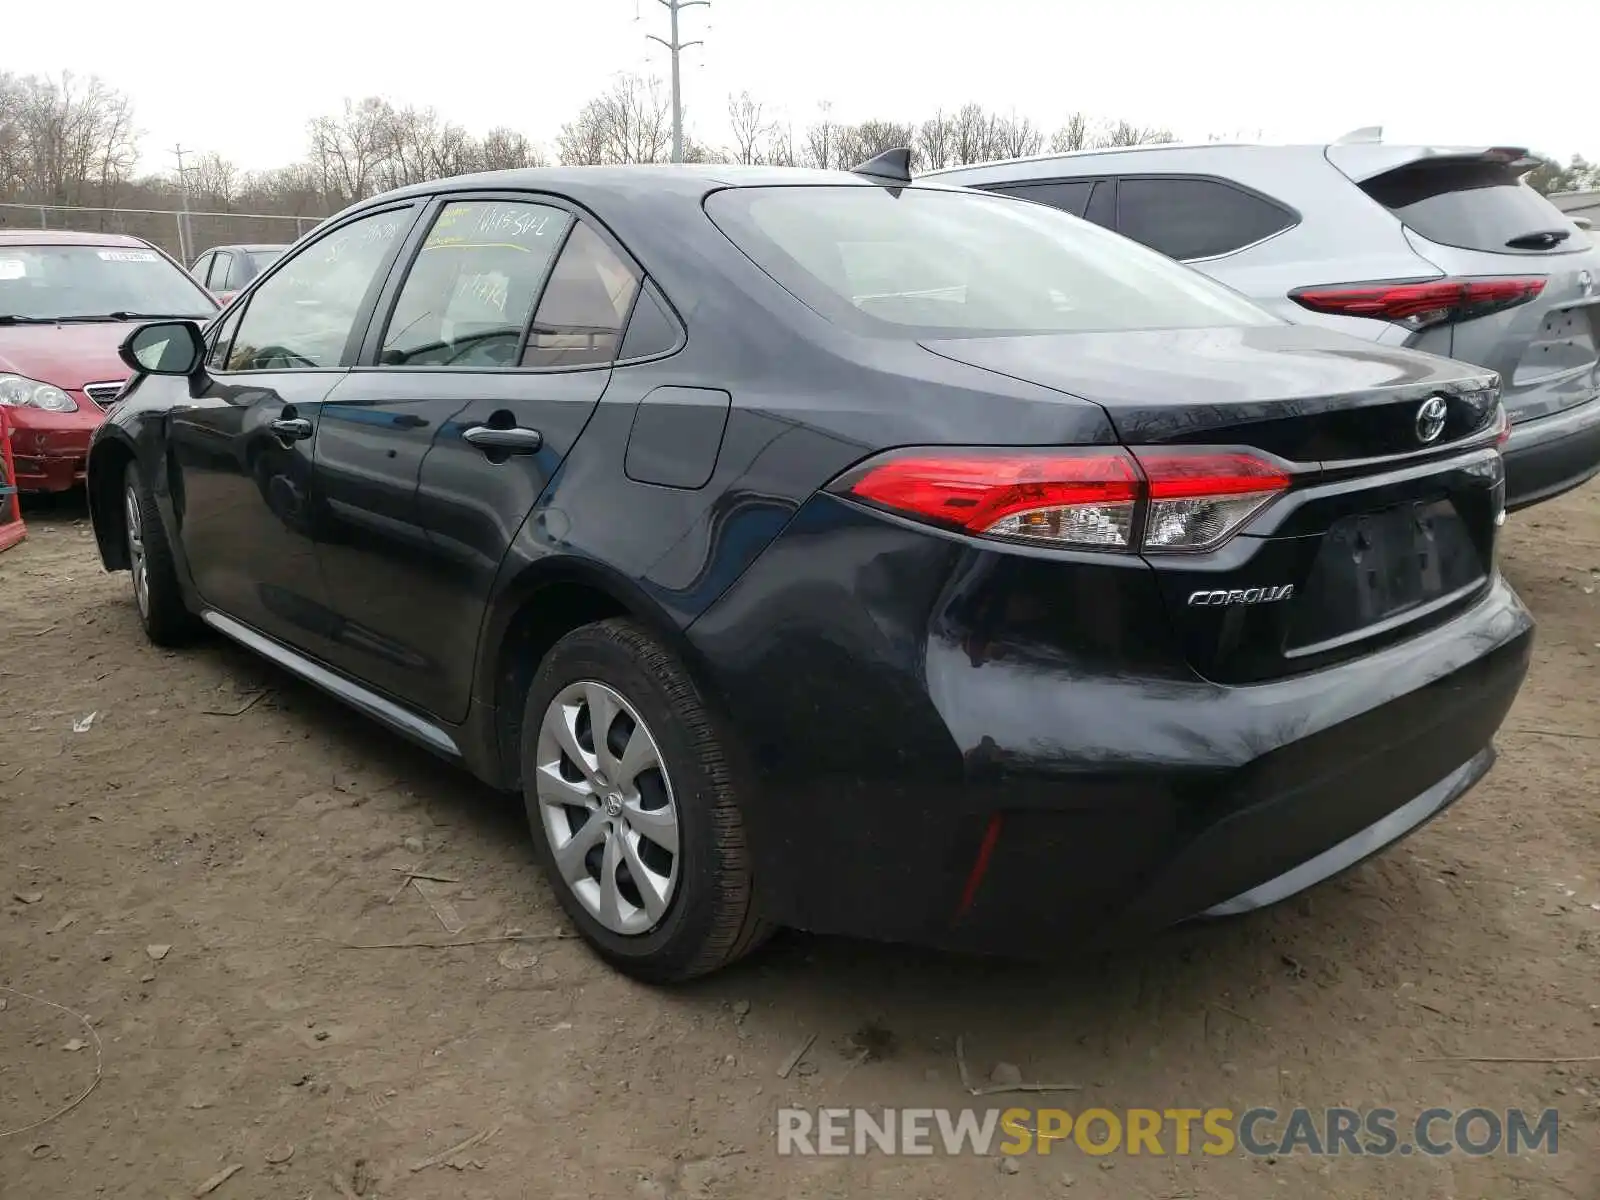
{"x":1419,"y":305}
{"x":1502,"y":427}
{"x":1159,"y":499}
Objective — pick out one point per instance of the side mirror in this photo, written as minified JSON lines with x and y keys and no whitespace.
{"x":164,"y":348}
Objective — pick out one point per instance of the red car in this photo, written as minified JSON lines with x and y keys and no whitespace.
{"x":66,"y":302}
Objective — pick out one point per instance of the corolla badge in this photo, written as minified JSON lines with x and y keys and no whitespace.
{"x":1430,"y":419}
{"x":1224,"y":597}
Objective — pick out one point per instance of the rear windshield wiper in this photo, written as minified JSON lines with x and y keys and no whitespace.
{"x":1539,"y":239}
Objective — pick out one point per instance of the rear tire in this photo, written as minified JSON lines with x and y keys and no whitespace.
{"x":625,"y":773}
{"x":157,"y":597}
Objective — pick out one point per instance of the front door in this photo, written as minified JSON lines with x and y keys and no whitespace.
{"x":430,"y":458}
{"x":242,"y":449}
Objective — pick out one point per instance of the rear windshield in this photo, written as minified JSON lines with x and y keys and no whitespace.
{"x":923,"y":262}
{"x":264,"y":258}
{"x":93,"y":281}
{"x":1474,"y":206}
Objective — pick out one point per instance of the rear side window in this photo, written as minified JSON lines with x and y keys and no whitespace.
{"x":928,"y":262}
{"x":583,"y":310}
{"x":222,"y":272}
{"x":1474,"y":206}
{"x":1068,"y":197}
{"x":470,"y":289}
{"x":1102,"y":208}
{"x":1195,"y":218}
{"x":651,"y":330}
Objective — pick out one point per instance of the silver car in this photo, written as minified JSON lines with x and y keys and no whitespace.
{"x":1439,"y":248}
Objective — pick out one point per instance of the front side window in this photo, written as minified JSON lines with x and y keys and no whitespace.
{"x":92,"y":282}
{"x":1195,"y":218}
{"x":302,"y":317}
{"x":585,"y":306}
{"x":916,"y":262}
{"x":470,"y":290}
{"x":222,"y":341}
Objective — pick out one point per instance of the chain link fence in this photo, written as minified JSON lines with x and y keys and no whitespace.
{"x":184,"y":235}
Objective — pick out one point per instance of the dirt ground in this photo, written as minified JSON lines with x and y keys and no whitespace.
{"x":218,"y":807}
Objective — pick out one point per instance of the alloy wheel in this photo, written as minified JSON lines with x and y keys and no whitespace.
{"x":607,"y":807}
{"x":136,"y":556}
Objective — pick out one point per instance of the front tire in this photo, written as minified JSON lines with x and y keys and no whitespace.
{"x":633,"y":804}
{"x":157,"y":597}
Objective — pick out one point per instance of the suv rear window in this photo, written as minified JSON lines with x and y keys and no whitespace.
{"x":1471,"y":205}
{"x":922,"y":262}
{"x":1195,"y":218}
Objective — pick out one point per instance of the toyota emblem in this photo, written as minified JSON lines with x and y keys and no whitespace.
{"x":1585,"y":282}
{"x":1430,"y":419}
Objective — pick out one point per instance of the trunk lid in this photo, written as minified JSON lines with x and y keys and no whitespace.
{"x":1383,"y":533}
{"x":1467,"y":213}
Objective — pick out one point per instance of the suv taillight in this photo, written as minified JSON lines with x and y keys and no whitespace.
{"x":1419,"y":305}
{"x":1159,"y":499}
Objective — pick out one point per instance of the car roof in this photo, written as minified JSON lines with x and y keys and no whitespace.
{"x":66,"y":237}
{"x":622,"y":184}
{"x":1361,"y":156}
{"x":1050,"y":156}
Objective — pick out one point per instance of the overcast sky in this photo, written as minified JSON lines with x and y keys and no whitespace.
{"x":243,"y":79}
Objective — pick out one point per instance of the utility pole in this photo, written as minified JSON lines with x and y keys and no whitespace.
{"x":674,"y":47}
{"x":183,"y":191}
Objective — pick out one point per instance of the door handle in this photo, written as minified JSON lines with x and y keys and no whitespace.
{"x":516,"y":440}
{"x":291,"y":429}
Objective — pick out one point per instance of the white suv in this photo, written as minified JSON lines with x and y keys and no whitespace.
{"x":1439,"y":248}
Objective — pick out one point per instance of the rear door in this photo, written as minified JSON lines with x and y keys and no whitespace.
{"x":1471,"y":217}
{"x":496,"y":347}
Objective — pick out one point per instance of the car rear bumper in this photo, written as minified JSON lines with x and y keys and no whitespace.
{"x":1551,"y":455}
{"x":916,"y":784}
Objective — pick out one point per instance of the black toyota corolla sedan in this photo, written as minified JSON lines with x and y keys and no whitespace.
{"x":820,"y":549}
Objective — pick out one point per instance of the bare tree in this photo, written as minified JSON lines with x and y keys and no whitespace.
{"x":504,"y":149}
{"x":750,"y":127}
{"x":631,"y":123}
{"x":213,"y":181}
{"x":822,"y":141}
{"x":972,"y":136}
{"x":65,"y":140}
{"x":1017,"y":137}
{"x":348,"y":151}
{"x":933,"y":143}
{"x":1122,"y":133}
{"x":868,"y":139}
{"x":1074,"y":135}
{"x":780,"y":151}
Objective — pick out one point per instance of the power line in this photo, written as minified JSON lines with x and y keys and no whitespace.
{"x":675,"y":47}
